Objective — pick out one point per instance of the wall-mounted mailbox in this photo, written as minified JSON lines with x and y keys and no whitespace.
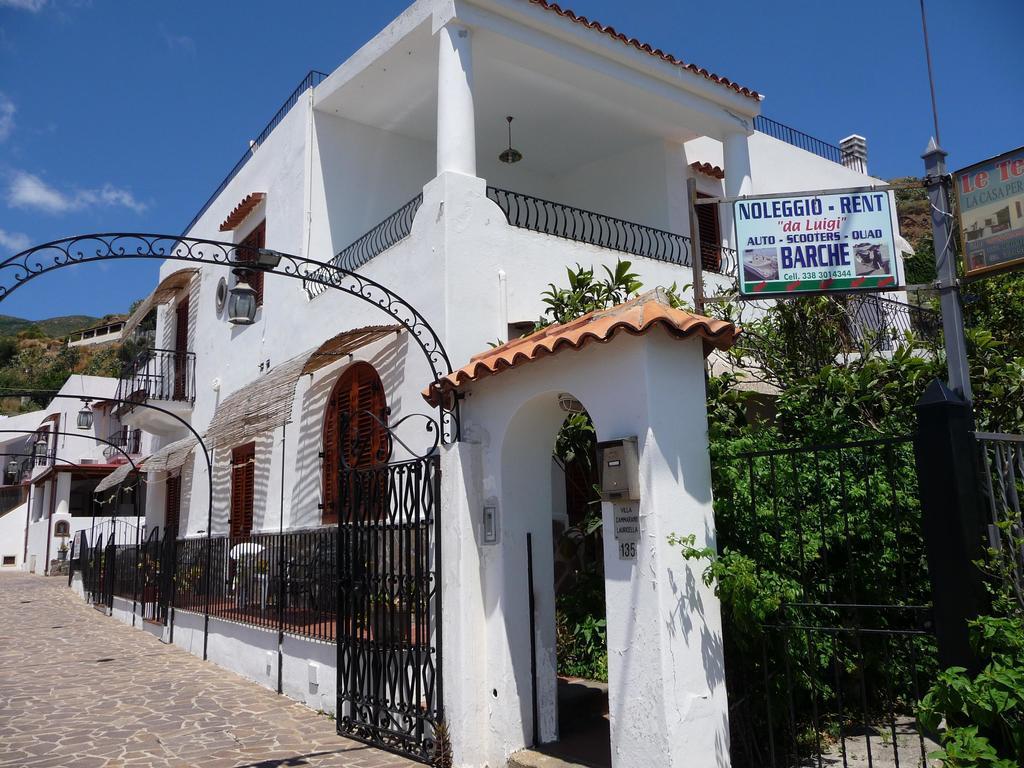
{"x":619,"y":465}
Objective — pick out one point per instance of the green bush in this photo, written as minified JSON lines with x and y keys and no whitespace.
{"x":581,"y":628}
{"x":984,"y":715}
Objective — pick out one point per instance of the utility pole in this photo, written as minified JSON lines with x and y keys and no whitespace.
{"x":937,"y":181}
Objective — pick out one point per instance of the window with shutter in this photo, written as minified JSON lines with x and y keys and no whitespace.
{"x":353,"y":430}
{"x":243,"y":477}
{"x":247,"y":252}
{"x":173,"y":511}
{"x":181,"y":349}
{"x":710,"y":235}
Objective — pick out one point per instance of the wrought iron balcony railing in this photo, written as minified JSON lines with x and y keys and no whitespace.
{"x":382,"y":236}
{"x":127,"y":439}
{"x":882,"y":322}
{"x":159,"y":374}
{"x":583,"y":226}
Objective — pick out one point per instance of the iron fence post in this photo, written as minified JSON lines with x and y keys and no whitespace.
{"x":952,"y":518}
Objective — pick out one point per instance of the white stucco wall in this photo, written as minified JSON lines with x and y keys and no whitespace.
{"x":664,"y":629}
{"x":12,"y":535}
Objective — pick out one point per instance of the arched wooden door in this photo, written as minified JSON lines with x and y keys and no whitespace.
{"x":354,"y":435}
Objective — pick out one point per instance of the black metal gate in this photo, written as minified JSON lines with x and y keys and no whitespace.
{"x":389,"y":606}
{"x":827,"y":632}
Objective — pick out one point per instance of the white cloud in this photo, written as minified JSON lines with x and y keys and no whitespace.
{"x":13,"y":241}
{"x":33,"y":6}
{"x":29,"y":191}
{"x":178,"y":42}
{"x":7,"y":110}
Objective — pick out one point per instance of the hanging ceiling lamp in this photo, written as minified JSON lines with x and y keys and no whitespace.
{"x":242,"y":300}
{"x":41,"y":448}
{"x":510,"y":155}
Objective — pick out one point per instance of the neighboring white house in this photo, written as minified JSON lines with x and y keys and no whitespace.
{"x":17,"y":438}
{"x":391,"y":166}
{"x":59,"y":465}
{"x":105,"y":333}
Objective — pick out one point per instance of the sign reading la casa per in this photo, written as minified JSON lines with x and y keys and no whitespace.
{"x":838,"y":242}
{"x":990,"y":199}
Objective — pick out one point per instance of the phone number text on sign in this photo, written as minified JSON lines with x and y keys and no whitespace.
{"x":834,"y":242}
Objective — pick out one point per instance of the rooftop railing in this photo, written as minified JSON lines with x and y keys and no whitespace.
{"x":799,"y":139}
{"x":312,"y":79}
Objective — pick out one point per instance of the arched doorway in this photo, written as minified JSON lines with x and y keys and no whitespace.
{"x":354,"y":434}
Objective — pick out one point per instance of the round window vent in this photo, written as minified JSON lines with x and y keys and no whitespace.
{"x":222,"y":294}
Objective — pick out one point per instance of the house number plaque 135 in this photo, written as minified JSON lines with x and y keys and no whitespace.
{"x":627,"y":530}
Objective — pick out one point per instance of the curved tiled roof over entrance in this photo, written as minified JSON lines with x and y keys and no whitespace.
{"x":645,"y":47}
{"x":637,"y":316}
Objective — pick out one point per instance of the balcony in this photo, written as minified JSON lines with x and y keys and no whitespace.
{"x":165,"y":378}
{"x":127,"y":440}
{"x":583,"y":226}
{"x":882,"y":323}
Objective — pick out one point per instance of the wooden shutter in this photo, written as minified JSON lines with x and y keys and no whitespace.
{"x":243,"y":481}
{"x":247,"y":252}
{"x":180,"y":360}
{"x":351,"y":431}
{"x":710,"y":235}
{"x":173,"y":512}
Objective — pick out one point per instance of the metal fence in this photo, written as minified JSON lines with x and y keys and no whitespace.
{"x":384,"y":235}
{"x":159,"y":374}
{"x":583,"y":226}
{"x":285,"y":581}
{"x":1001,"y":460}
{"x":883,"y":323}
{"x":828,"y":653}
{"x":115,"y":561}
{"x":799,"y":139}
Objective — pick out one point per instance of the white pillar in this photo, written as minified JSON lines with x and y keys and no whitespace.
{"x":456,"y":130}
{"x":737,"y":178}
{"x":665,"y":666}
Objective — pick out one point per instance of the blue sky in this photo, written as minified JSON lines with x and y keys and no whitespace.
{"x":126,"y":115}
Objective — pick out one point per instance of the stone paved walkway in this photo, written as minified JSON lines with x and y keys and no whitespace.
{"x":78,"y":689}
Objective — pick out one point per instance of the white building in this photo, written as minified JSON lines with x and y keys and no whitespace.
{"x":52,"y":467}
{"x":391,"y":166}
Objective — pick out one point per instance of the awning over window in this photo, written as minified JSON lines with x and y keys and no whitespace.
{"x":266,"y":403}
{"x":240,"y":211}
{"x":163,"y":293}
{"x":171,"y":456}
{"x":115,"y":478}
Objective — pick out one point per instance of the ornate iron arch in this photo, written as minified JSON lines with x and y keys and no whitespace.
{"x":38,"y":260}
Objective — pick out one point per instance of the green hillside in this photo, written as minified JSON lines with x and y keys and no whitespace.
{"x":52,"y":327}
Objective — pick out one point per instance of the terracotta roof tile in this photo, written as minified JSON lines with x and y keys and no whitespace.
{"x":243,"y":209}
{"x":708,"y":170}
{"x":645,"y":47}
{"x":637,"y":316}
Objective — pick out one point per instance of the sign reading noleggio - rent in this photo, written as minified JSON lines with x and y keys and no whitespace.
{"x":836,"y":242}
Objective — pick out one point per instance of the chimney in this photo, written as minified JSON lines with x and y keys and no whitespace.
{"x":854,"y":151}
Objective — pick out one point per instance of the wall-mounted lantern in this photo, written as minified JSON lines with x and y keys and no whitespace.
{"x":242,"y":300}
